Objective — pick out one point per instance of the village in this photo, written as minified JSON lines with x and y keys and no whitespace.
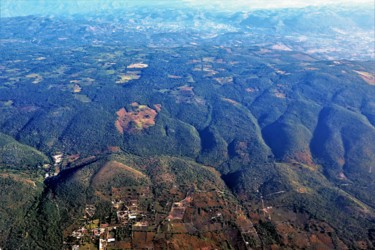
{"x":131,"y":223}
{"x":134,"y":222}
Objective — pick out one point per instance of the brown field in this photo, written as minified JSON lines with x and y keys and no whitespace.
{"x":233,"y":102}
{"x":367,"y":77}
{"x":76,"y":88}
{"x":143,"y":240}
{"x":303,"y":157}
{"x":137,"y":66}
{"x":112,"y":169}
{"x":280,"y":95}
{"x":120,"y":245}
{"x":141,"y":117}
{"x":124,"y":78}
{"x":184,"y":241}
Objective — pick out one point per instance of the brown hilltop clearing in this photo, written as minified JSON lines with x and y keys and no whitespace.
{"x":301,"y":157}
{"x":139,"y":118}
{"x":112,"y":168}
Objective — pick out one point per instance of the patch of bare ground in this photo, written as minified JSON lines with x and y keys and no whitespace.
{"x":114,"y":169}
{"x":367,"y":77}
{"x":143,"y":240}
{"x":185,"y":241}
{"x":233,"y":102}
{"x":303,"y":157}
{"x":138,"y":118}
{"x":137,"y":66}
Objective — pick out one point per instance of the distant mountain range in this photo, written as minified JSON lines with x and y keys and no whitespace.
{"x":330,"y":32}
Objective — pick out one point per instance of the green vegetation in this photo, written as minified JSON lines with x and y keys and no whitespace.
{"x":15,"y":155}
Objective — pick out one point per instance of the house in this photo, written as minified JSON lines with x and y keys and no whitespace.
{"x":132,"y":216}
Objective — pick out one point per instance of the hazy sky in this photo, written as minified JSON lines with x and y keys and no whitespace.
{"x":52,"y":7}
{"x":274,"y":3}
